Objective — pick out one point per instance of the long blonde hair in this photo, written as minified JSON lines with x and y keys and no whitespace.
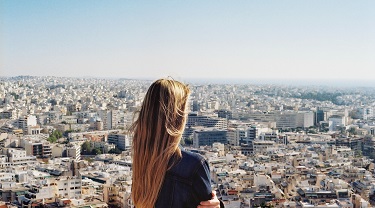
{"x":156,"y":136}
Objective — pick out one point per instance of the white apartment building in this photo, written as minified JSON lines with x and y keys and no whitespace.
{"x":122,"y":141}
{"x":305,"y":119}
{"x":110,"y":118}
{"x":69,"y":187}
{"x":262,"y":146}
{"x":6,"y":177}
{"x":32,"y":130}
{"x":53,"y":116}
{"x":61,"y":187}
{"x":231,"y":137}
{"x":24,"y":122}
{"x":195,"y":121}
{"x":103,"y":146}
{"x":16,"y":157}
{"x":262,"y":117}
{"x":335,"y":122}
{"x":73,"y":150}
{"x":294,"y":119}
{"x":206,"y":121}
{"x":246,"y":133}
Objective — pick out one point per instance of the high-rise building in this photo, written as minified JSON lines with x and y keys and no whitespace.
{"x":195,"y":120}
{"x":121,"y":141}
{"x":319,"y":116}
{"x":294,"y":119}
{"x":195,"y":106}
{"x":37,"y":148}
{"x":26,"y":121}
{"x":110,"y":118}
{"x":225,"y":114}
{"x":208,"y":136}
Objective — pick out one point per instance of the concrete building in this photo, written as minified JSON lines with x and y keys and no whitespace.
{"x":286,"y":120}
{"x":122,"y":141}
{"x":24,"y":122}
{"x":73,"y":150}
{"x":8,"y":114}
{"x":32,"y":130}
{"x":16,"y":157}
{"x":60,"y":187}
{"x":37,"y":148}
{"x":335,"y":122}
{"x":110,"y":118}
{"x":224,"y":114}
{"x":208,"y":136}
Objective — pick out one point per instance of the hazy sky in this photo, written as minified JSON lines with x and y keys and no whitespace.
{"x":189,"y":39}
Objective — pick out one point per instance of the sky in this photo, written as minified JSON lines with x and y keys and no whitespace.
{"x":202,"y":39}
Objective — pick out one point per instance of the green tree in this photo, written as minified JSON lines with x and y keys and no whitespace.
{"x":358,"y":153}
{"x":52,"y":139}
{"x":66,"y":133}
{"x":189,"y":141}
{"x":115,"y":151}
{"x":55,"y":136}
{"x":342,"y":129}
{"x":16,"y":96}
{"x":352,"y":131}
{"x":311,"y":131}
{"x":60,"y":134}
{"x":85,"y":148}
{"x":96,"y":151}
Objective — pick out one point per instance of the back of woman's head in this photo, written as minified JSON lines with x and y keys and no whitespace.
{"x":156,"y":136}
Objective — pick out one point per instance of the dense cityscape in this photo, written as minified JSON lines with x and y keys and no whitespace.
{"x":65,"y":142}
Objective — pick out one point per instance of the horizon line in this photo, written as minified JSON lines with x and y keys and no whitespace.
{"x":363,"y":82}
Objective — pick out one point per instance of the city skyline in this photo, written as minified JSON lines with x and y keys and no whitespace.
{"x":65,"y":142}
{"x":246,"y":40}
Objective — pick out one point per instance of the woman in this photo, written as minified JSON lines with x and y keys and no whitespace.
{"x":163,"y":174}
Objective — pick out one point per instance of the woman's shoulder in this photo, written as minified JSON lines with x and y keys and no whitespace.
{"x":188,"y":164}
{"x":192,"y":156}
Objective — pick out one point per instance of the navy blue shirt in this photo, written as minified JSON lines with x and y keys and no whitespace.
{"x":186,"y":184}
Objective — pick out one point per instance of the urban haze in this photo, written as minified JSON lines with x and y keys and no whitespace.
{"x":65,"y":141}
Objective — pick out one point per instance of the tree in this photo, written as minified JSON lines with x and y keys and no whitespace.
{"x":66,"y":133}
{"x":55,"y":135}
{"x":342,"y":129}
{"x":52,"y":139}
{"x":358,"y":153}
{"x":44,"y":131}
{"x":96,"y":151}
{"x":115,"y":151}
{"x":311,"y":131}
{"x":16,"y":96}
{"x":352,"y":131}
{"x":85,"y":148}
{"x":188,"y":141}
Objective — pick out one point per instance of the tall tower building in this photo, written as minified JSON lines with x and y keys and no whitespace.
{"x":110,"y":118}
